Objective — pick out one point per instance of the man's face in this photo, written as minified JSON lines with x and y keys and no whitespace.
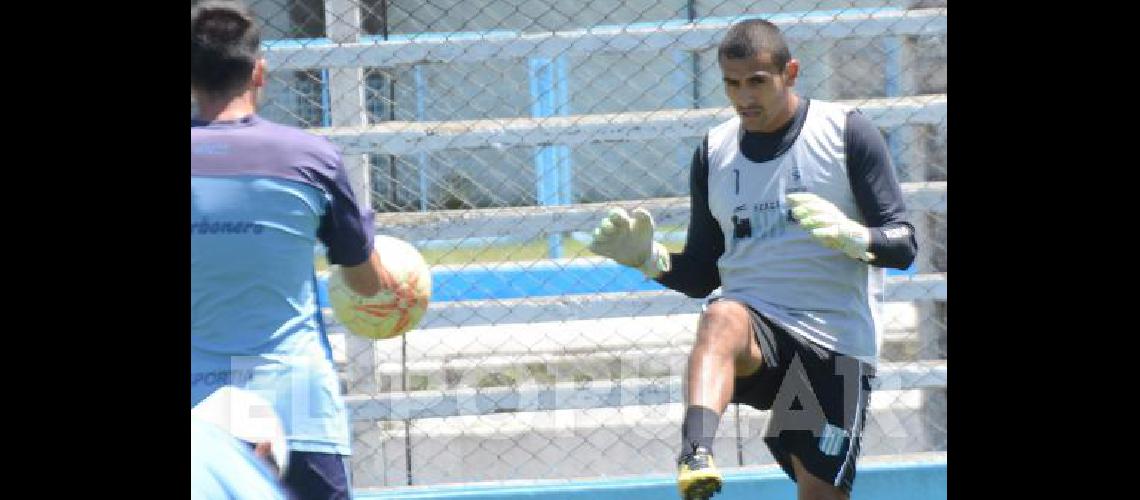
{"x":759,"y":90}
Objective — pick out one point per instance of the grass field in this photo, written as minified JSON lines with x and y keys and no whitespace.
{"x":531,"y":250}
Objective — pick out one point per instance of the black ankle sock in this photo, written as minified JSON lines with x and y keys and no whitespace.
{"x":699,"y":428}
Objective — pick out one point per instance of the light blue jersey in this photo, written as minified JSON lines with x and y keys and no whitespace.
{"x":262,"y":196}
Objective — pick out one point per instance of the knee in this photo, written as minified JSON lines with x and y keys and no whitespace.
{"x":725,"y":322}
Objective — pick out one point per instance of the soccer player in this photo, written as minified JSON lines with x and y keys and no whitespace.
{"x":795,"y":206}
{"x":261,"y":196}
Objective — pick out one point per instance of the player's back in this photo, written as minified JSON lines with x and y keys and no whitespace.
{"x":261,"y":197}
{"x":256,"y":207}
{"x":257,"y":200}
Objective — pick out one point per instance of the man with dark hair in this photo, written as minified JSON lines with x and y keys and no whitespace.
{"x":795,"y":210}
{"x":261,"y":196}
{"x":224,"y":46}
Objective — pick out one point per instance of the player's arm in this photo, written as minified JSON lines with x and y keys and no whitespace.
{"x":878,"y":195}
{"x":884,"y":238}
{"x":366,"y":278}
{"x":629,"y":241}
{"x":347,"y":230}
{"x":693,"y":271}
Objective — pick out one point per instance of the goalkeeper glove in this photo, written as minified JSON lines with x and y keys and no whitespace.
{"x":830,"y":226}
{"x":629,"y":241}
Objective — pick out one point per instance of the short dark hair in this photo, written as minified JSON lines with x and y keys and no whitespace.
{"x":748,"y":38}
{"x":224,"y":45}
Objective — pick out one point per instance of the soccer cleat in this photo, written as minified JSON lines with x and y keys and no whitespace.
{"x":697,"y":476}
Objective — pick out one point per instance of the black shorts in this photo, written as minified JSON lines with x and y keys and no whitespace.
{"x":818,"y":399}
{"x":316,"y":476}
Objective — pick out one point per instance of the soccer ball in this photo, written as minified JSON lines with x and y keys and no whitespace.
{"x":391,"y":312}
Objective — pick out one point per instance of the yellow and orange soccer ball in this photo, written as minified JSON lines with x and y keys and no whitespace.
{"x":389,"y":313}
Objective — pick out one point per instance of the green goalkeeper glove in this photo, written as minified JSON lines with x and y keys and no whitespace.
{"x":830,"y":226}
{"x":629,"y":241}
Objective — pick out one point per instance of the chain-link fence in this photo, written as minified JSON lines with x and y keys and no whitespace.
{"x":493,"y":134}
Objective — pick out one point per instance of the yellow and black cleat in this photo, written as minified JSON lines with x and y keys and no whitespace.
{"x":697,"y":476}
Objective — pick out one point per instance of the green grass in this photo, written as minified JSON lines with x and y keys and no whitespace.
{"x":532,"y":250}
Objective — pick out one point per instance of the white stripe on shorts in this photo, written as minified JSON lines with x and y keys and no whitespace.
{"x":854,"y":429}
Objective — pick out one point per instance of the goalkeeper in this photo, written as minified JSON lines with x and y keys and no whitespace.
{"x":795,"y":206}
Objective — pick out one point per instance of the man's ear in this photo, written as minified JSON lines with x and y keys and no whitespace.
{"x":791,"y":71}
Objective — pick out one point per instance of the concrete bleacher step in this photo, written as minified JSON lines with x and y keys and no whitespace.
{"x":545,"y":341}
{"x":602,"y":441}
{"x":540,"y":395}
